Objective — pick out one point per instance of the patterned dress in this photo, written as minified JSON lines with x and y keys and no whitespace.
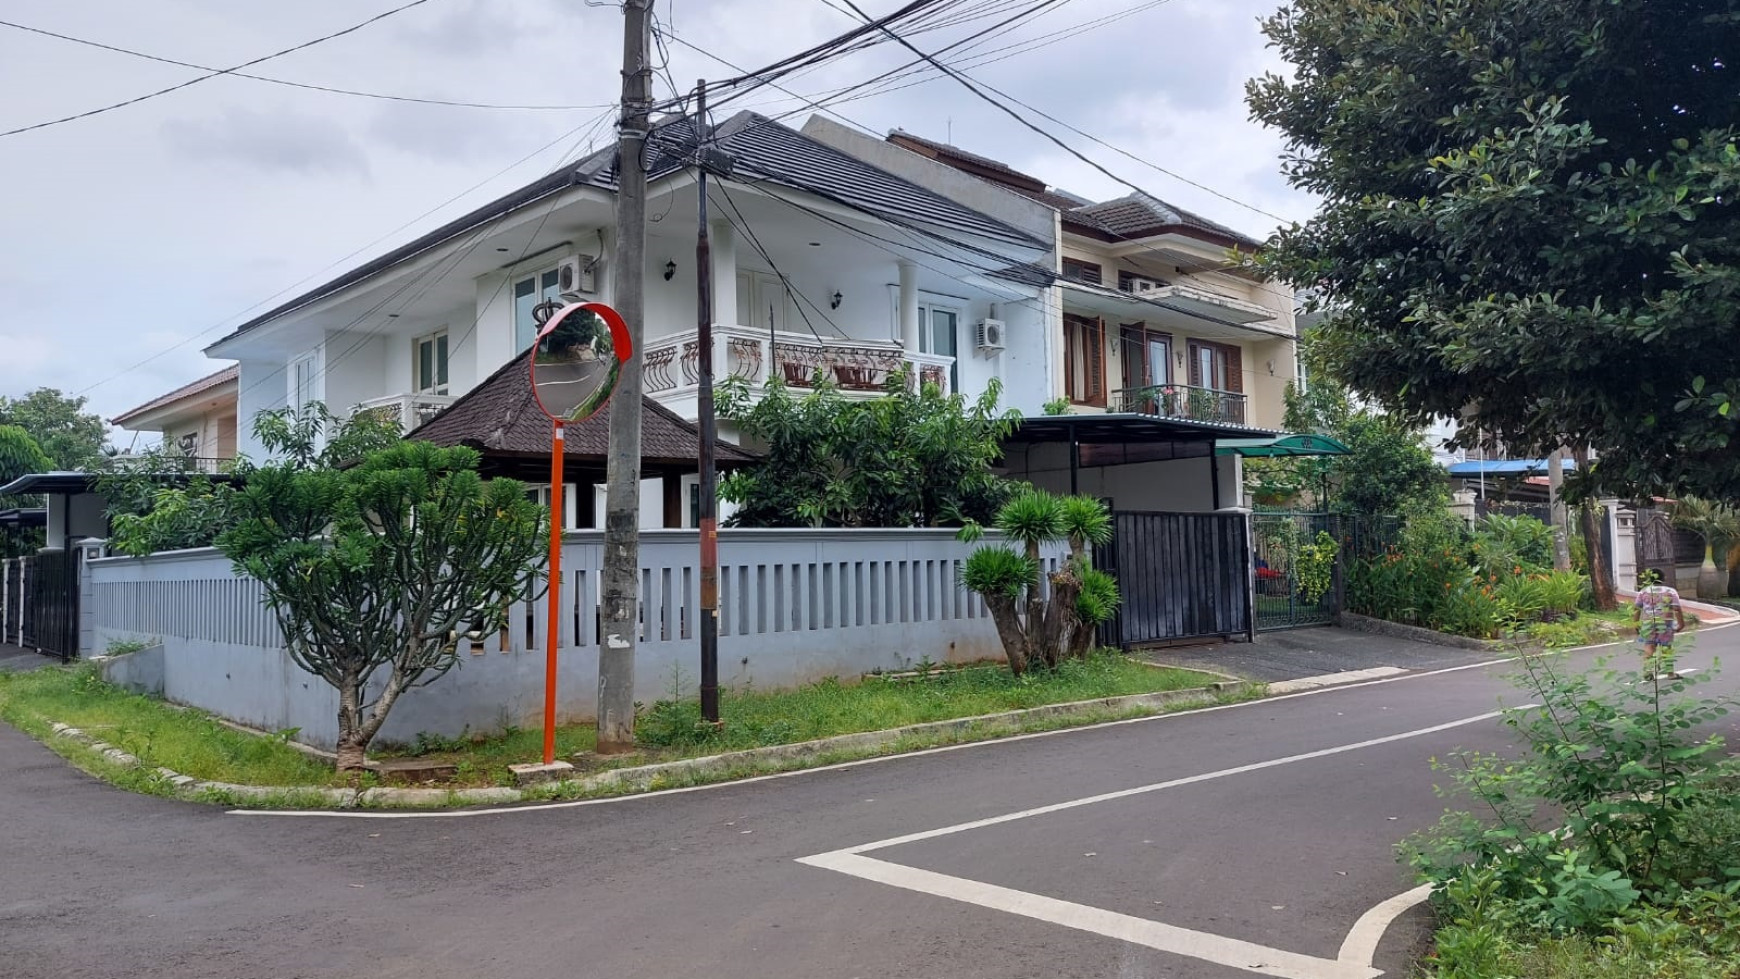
{"x":1656,"y":606}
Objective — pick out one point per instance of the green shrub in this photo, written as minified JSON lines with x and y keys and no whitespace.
{"x":1616,"y":803}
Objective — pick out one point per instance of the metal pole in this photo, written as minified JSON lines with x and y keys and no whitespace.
{"x":621,"y":572}
{"x":708,"y":517}
{"x":557,"y":492}
{"x":1074,"y":459}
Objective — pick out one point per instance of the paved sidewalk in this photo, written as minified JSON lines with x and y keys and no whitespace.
{"x":19,"y":658}
{"x":1297,"y":653}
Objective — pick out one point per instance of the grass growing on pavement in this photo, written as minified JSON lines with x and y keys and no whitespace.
{"x":188,"y":741}
{"x":192,"y":743}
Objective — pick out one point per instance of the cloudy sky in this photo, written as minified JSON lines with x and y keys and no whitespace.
{"x":135,"y":237}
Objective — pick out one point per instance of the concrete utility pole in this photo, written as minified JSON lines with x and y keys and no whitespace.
{"x":1556,"y":510}
{"x":708,"y":517}
{"x":621,"y":577}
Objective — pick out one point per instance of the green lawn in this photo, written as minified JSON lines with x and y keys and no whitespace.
{"x":192,"y":743}
{"x":188,"y":741}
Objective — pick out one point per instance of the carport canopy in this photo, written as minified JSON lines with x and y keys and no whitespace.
{"x":1119,"y":438}
{"x":1282,"y":445}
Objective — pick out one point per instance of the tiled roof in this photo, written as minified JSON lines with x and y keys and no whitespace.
{"x":1014,"y":176}
{"x":200,"y":386}
{"x":501,"y":416}
{"x":1138,"y":215}
{"x":764,"y":149}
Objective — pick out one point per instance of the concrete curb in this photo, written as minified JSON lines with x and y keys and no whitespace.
{"x":643,"y":776}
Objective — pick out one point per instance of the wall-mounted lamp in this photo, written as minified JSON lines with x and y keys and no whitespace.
{"x":835,"y":302}
{"x":1180,"y":358}
{"x":670,"y":270}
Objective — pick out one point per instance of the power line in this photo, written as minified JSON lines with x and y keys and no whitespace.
{"x":222,"y":324}
{"x":206,"y":77}
{"x":293,"y":84}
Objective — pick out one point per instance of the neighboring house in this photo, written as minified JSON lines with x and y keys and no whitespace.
{"x":821,"y":262}
{"x":1153,"y":326}
{"x":197,"y":420}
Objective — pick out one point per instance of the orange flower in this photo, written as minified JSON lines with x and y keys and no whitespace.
{"x":1516,"y":570}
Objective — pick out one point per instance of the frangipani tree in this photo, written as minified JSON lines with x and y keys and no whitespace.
{"x":377,"y":568}
{"x":1038,"y":630}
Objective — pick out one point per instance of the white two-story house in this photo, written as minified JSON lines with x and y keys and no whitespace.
{"x":820,"y":262}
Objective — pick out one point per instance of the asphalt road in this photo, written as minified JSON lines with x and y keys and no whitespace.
{"x":1255,"y":835}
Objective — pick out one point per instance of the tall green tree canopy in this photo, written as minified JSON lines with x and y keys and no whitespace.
{"x":1528,"y":212}
{"x":19,"y":456}
{"x":71,"y":437}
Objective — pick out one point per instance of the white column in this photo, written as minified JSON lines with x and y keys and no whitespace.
{"x":722,"y":238}
{"x":909,"y":306}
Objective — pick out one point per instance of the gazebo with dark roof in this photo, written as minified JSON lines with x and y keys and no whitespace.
{"x":500,"y":418}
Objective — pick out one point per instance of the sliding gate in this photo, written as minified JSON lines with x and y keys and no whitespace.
{"x":1180,"y":575}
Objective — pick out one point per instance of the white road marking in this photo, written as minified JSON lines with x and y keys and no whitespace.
{"x":1362,"y":942}
{"x":1167,"y":938}
{"x":1170,"y":784}
{"x":1218,"y":949}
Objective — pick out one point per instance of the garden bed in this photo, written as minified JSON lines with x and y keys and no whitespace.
{"x":197,"y":745}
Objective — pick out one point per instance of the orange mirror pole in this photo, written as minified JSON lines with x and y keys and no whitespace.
{"x":553,"y":633}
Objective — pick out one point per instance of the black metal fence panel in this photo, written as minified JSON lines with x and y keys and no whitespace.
{"x":1180,"y":576}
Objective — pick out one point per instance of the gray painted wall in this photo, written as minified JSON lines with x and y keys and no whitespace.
{"x":796,"y":606}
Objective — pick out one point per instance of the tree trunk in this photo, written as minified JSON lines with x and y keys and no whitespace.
{"x":1009,"y":630}
{"x":351,"y":753}
{"x":1052,"y":640}
{"x":1600,"y":575}
{"x":1556,"y":510}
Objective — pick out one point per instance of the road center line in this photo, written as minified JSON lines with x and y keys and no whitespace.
{"x":1218,"y":949}
{"x":1172,"y":783}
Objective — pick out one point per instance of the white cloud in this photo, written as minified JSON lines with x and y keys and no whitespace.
{"x":196,"y":206}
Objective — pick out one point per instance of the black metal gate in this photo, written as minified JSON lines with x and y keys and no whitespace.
{"x":12,"y":580}
{"x":1656,"y":545}
{"x":1180,"y":576}
{"x":51,"y":604}
{"x":1286,"y":596}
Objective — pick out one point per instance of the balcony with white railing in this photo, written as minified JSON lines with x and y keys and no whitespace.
{"x":862,"y":367}
{"x":409,"y":410}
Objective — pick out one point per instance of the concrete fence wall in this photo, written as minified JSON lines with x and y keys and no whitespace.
{"x":795,"y":606}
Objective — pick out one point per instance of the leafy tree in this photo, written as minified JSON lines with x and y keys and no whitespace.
{"x":1038,"y":631}
{"x":910,"y":458}
{"x":160,"y":502}
{"x":70,"y":436}
{"x":1528,"y":212}
{"x":1387,"y":470}
{"x":19,"y":456}
{"x":381,"y":567}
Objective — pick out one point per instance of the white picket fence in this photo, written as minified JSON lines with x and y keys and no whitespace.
{"x":795,"y":606}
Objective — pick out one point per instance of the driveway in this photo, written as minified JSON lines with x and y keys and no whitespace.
{"x":1297,"y":653}
{"x":1236,"y":841}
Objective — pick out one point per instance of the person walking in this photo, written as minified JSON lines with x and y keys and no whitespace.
{"x":1659,"y":619}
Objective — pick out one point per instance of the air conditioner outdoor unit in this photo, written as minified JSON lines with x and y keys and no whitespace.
{"x":577,"y":276}
{"x":990,"y":335}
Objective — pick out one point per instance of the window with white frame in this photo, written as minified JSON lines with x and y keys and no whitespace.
{"x":939,"y":334}
{"x":571,"y":516}
{"x":429,"y":364}
{"x":304,"y":379}
{"x":528,"y":293}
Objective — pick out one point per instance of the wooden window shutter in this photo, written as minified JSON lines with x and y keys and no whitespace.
{"x":1097,"y":362}
{"x":1195,"y":355}
{"x":1235,"y":370}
